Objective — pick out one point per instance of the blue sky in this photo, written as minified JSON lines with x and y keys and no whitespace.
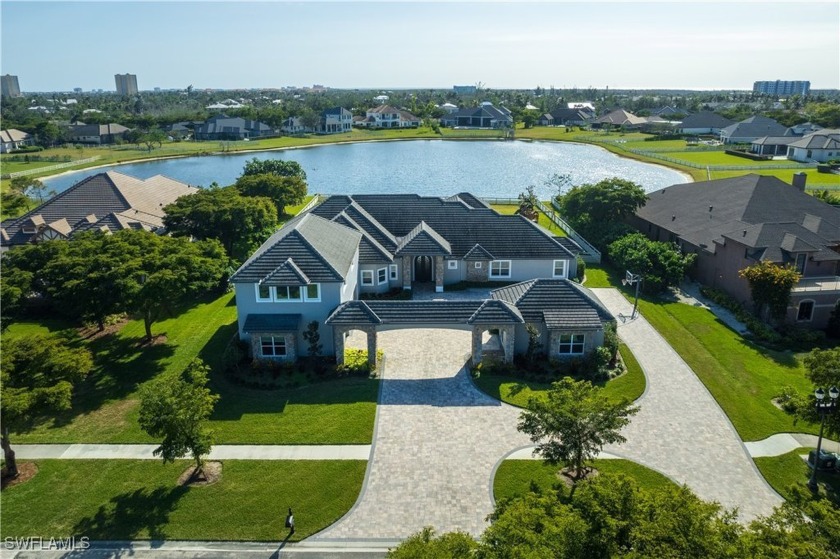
{"x":56,"y":46}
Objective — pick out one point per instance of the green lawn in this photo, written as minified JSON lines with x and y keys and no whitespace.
{"x":785,"y":471}
{"x":518,"y":392}
{"x":600,"y":276}
{"x":139,"y":499}
{"x":543,"y":220}
{"x":514,"y":477}
{"x":722,"y":158}
{"x":105,"y":407}
{"x":742,"y":377}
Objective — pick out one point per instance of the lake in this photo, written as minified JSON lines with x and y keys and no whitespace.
{"x":489,"y":169}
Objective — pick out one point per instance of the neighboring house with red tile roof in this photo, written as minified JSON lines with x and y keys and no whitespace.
{"x":105,"y":202}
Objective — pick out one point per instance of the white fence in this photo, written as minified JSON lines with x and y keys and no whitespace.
{"x":51,"y":167}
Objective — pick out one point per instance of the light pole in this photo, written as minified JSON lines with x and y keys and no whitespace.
{"x":629,"y":279}
{"x":824,"y":408}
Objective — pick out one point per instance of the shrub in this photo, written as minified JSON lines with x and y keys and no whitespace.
{"x":581,"y":268}
{"x":789,"y":399}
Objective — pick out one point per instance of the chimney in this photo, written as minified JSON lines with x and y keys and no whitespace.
{"x":799,"y":181}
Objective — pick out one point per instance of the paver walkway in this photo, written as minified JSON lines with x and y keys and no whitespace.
{"x":680,"y":430}
{"x":436,"y":443}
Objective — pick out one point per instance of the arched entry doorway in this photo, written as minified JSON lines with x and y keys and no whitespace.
{"x":423,"y":269}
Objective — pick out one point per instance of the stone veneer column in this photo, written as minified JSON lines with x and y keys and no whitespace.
{"x":439,"y":274}
{"x":338,"y":344}
{"x":371,"y":343}
{"x":406,"y":271}
{"x":508,"y":338}
{"x":476,"y":344}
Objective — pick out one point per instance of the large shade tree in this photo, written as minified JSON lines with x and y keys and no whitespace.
{"x":239,"y":222}
{"x":661,"y":265}
{"x":37,"y":375}
{"x":770,"y":286}
{"x":283,"y":191}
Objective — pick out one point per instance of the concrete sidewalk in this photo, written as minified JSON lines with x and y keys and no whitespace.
{"x":219,"y":452}
{"x":782,"y":443}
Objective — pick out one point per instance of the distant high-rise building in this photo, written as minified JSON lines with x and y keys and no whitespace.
{"x":77,"y":90}
{"x":782,"y":87}
{"x":10,"y":86}
{"x":126,"y":84}
{"x":464,"y":89}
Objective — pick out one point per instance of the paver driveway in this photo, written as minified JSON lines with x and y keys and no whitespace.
{"x":437,"y":441}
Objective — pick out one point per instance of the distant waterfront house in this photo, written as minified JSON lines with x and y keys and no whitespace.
{"x":804,"y":129}
{"x":386,"y":116}
{"x":448,"y":108}
{"x":750,"y":129}
{"x":822,"y":146}
{"x":320,"y":264}
{"x":483,"y":116}
{"x":99,"y":134}
{"x":736,"y":222}
{"x":223,"y":127}
{"x":772,"y":145}
{"x":294,"y":125}
{"x":572,"y":117}
{"x":620,"y":118}
{"x":335,"y":121}
{"x":13,"y":139}
{"x":704,"y":122}
{"x":105,"y":202}
{"x":545,"y":120}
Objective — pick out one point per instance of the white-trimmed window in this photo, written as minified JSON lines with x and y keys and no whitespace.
{"x":273,"y":346}
{"x":500,"y":269}
{"x":367,"y":277}
{"x":805,"y":312}
{"x":264,"y":293}
{"x":453,"y":264}
{"x":382,"y":276}
{"x":289,"y":293}
{"x":478,"y":265}
{"x":393,"y":271}
{"x":312,"y":292}
{"x":571,"y":344}
{"x":559,"y":268}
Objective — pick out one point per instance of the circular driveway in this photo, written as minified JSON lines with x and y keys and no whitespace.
{"x":436,"y":443}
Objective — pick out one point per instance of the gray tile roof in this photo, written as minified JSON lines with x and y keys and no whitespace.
{"x":571,"y":319}
{"x":424,"y":312}
{"x":494,"y":311}
{"x":388,"y":217}
{"x":705,"y":119}
{"x":322,"y":250}
{"x":741,"y":204}
{"x":354,"y":312}
{"x":370,"y":251}
{"x":754,"y":127}
{"x":478,"y":253}
{"x":533,"y":298}
{"x":106,"y":201}
{"x":287,"y":274}
{"x":423,"y":240}
{"x":255,"y":323}
{"x":822,"y":139}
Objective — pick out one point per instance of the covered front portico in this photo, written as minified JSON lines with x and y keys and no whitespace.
{"x":371,"y":317}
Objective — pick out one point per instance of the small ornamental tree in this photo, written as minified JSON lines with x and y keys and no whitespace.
{"x":176,"y":407}
{"x":660,"y":264}
{"x":313,"y":338}
{"x":534,"y":345}
{"x":572,"y":425}
{"x":823,"y":370}
{"x":770,"y":285}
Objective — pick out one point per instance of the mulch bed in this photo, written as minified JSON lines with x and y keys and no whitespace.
{"x":95,"y":333}
{"x":566,"y":475}
{"x":160,"y":339}
{"x":211,"y":473}
{"x":26,"y":471}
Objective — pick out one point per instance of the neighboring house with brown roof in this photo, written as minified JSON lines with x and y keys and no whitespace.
{"x":822,"y":146}
{"x":13,"y":139}
{"x":736,"y":222}
{"x":105,"y":202}
{"x":621,"y":118}
{"x":318,"y":265}
{"x":100,"y":134}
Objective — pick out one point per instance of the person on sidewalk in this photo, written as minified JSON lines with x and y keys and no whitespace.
{"x":290,"y":522}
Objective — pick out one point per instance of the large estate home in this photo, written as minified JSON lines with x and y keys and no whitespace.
{"x":386,"y":116}
{"x":736,"y":222}
{"x":226,"y":128}
{"x":13,"y":139}
{"x":103,"y":202}
{"x":335,"y":121}
{"x":484,"y":116}
{"x":326,"y":264}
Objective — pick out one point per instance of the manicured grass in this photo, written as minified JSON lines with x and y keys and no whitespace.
{"x":543,"y":220}
{"x":105,"y":406}
{"x":518,"y":392}
{"x":514,"y":477}
{"x":813,"y":177}
{"x":600,"y":276}
{"x":742,"y":377}
{"x":788,"y":470}
{"x":140,"y":499}
{"x":722,"y":158}
{"x":7,"y":167}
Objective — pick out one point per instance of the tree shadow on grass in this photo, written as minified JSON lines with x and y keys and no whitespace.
{"x":139,"y":514}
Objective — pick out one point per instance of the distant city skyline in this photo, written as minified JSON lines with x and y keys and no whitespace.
{"x":59,"y":46}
